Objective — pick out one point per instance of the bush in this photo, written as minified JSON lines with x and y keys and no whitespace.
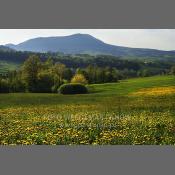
{"x":73,"y":88}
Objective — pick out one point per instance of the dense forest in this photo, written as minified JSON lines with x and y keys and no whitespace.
{"x":46,"y":72}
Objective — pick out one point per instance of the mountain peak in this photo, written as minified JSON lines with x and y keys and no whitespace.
{"x":80,"y":34}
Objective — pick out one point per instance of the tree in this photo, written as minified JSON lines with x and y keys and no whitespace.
{"x":17,"y":85}
{"x":107,"y":74}
{"x":58,"y":70}
{"x":79,"y":78}
{"x":67,"y":74}
{"x":91,"y":72}
{"x":48,"y":63}
{"x":108,"y":77}
{"x":45,"y":81}
{"x":82,"y":71}
{"x":173,"y":70}
{"x":100,"y":75}
{"x":30,"y":71}
{"x":115,"y":75}
{"x":145,"y":73}
{"x":4,"y":86}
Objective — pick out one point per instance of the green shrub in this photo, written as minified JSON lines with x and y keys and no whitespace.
{"x":73,"y":88}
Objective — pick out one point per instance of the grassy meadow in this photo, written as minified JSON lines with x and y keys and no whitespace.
{"x":133,"y":111}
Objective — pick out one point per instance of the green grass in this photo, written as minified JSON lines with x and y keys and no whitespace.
{"x":99,"y":93}
{"x":127,"y":86}
{"x":35,"y":118}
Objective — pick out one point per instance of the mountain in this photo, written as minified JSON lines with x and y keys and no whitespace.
{"x":82,"y":44}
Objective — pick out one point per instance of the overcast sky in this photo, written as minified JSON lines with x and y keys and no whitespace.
{"x":163,"y":39}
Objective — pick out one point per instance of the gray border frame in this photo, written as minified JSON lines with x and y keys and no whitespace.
{"x":87,"y":159}
{"x":87,"y":14}
{"x":102,"y":160}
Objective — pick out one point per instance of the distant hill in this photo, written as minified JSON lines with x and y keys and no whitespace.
{"x":85,"y":44}
{"x":6,"y":49}
{"x":11,"y":59}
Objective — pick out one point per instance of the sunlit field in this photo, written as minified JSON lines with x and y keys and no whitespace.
{"x":134,"y":111}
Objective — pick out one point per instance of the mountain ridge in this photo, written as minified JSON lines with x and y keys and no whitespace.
{"x":83,"y":43}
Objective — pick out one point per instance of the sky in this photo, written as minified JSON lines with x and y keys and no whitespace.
{"x":163,"y":39}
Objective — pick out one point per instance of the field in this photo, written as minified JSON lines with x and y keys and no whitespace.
{"x":134,"y":111}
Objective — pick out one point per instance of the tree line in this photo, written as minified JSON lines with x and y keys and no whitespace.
{"x":47,"y":76}
{"x":37,"y":75}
